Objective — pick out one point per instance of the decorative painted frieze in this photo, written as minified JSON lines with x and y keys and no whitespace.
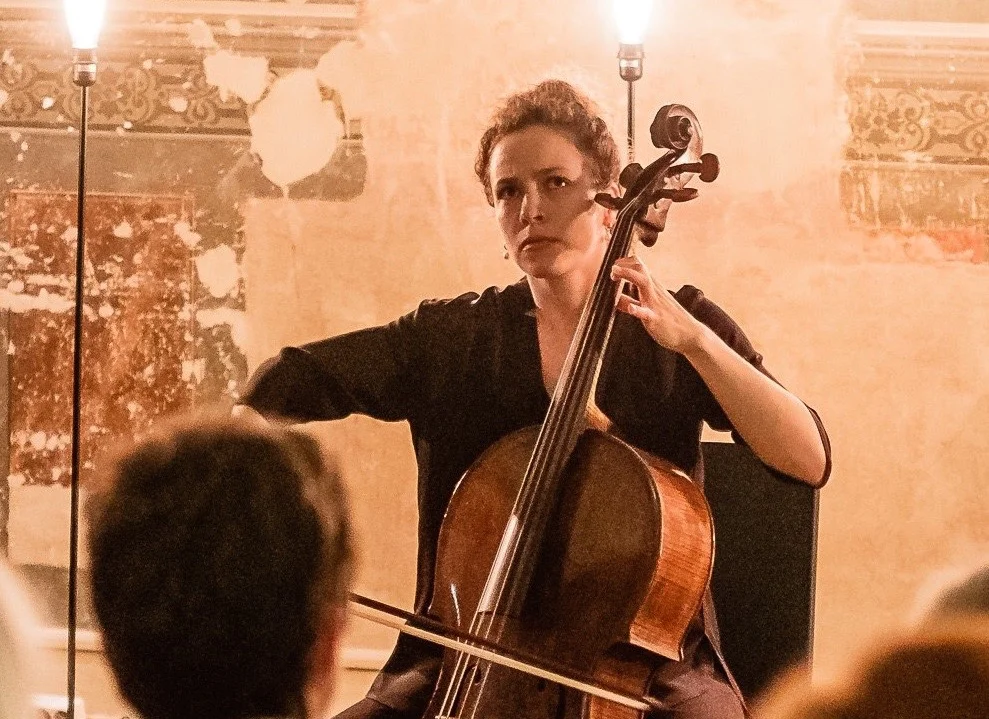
{"x":917,"y":155}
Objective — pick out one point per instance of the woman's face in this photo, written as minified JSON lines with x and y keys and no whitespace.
{"x":543,"y":199}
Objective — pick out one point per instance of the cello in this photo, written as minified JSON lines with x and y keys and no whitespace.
{"x":562,"y":542}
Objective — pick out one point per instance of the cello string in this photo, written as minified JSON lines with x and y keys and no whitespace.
{"x":534,"y":491}
{"x":464,"y":666}
{"x":465,"y":670}
{"x":566,"y":402}
{"x":526,"y":504}
{"x":563,"y":404}
{"x":481,"y":625}
{"x":457,"y":680}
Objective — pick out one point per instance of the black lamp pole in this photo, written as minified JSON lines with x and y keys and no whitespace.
{"x":83,"y":75}
{"x":630,"y":69}
{"x":631,"y":19}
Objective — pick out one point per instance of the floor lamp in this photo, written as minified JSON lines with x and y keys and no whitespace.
{"x":85,"y":19}
{"x":632,"y":19}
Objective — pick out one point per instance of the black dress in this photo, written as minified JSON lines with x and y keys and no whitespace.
{"x":464,"y":373}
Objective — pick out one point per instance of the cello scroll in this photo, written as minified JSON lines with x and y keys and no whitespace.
{"x":677,"y":130}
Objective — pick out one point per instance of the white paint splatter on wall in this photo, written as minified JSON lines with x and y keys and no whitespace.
{"x":184,"y":232}
{"x":229,"y":316}
{"x":124,"y":230}
{"x":20,"y":302}
{"x":294,"y":130}
{"x":218,"y":270}
{"x":200,"y":34}
{"x":340,"y":68}
{"x":243,"y":76}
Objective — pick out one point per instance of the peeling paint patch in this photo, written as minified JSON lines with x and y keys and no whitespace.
{"x":124,"y":230}
{"x":200,"y":34}
{"x":294,"y":130}
{"x":340,"y":68}
{"x":218,"y":270}
{"x":193,"y":370}
{"x":16,"y":254}
{"x":178,"y":104}
{"x":929,"y":247}
{"x":228,"y":316}
{"x":244,"y":76}
{"x":184,"y":232}
{"x":44,"y":301}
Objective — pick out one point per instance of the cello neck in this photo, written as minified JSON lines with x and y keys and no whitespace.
{"x":510,"y":576}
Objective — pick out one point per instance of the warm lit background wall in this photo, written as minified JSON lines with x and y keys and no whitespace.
{"x":885,"y":334}
{"x":854,"y":253}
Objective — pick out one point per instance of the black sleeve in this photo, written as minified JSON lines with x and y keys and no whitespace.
{"x":728,"y":330}
{"x":373,"y":371}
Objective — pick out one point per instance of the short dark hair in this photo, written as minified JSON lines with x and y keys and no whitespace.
{"x":966,"y":596}
{"x":216,"y":546}
{"x":560,"y":106}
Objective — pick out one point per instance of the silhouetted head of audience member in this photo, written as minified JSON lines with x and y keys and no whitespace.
{"x":941,"y":672}
{"x":16,"y":624}
{"x":221,"y":557}
{"x":965,"y":594}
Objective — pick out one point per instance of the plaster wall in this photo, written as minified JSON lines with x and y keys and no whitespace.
{"x":886,"y":339}
{"x":888,"y":347}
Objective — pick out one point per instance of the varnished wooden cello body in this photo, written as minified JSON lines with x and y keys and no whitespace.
{"x":564,"y":542}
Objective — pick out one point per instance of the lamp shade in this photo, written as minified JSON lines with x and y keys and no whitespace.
{"x":632,"y":18}
{"x":85,"y":19}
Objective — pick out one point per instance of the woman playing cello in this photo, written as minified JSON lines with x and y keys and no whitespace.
{"x":465,"y":372}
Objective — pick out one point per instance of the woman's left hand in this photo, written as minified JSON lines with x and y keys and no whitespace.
{"x":774,"y":423}
{"x":665,"y":319}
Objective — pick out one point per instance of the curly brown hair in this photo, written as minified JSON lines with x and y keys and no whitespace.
{"x":558,"y":105}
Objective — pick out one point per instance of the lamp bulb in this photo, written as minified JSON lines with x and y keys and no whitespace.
{"x":85,"y":20}
{"x":632,"y":18}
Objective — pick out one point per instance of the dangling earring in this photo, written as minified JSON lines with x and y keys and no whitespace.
{"x":505,"y":248}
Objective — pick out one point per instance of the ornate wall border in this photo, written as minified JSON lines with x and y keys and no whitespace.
{"x":152,"y":49}
{"x":917,"y":157}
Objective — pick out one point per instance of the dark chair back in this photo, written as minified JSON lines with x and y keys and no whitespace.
{"x":764,"y":565}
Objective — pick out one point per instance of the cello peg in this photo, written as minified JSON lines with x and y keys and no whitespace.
{"x":609,"y":201}
{"x":629,"y":175}
{"x":710,"y":167}
{"x":683,"y":195}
